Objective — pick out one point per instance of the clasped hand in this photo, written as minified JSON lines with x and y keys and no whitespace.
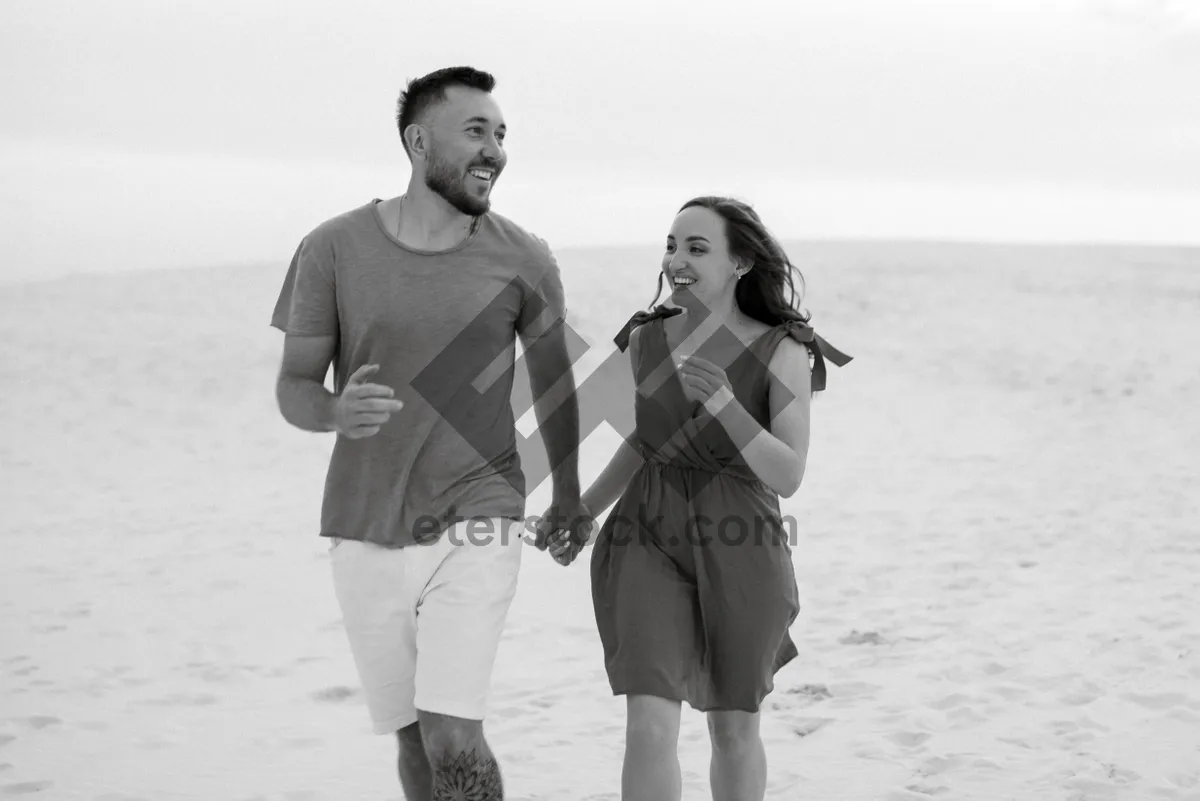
{"x":564,"y":529}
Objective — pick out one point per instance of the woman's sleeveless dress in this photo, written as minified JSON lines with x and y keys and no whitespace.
{"x":693,"y":586}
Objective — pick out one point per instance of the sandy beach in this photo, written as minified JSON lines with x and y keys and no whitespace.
{"x":998,"y":552}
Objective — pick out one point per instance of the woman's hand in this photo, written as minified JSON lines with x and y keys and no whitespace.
{"x":706,"y":383}
{"x":564,"y":548}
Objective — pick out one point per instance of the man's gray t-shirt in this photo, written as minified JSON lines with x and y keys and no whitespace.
{"x":442,"y":327}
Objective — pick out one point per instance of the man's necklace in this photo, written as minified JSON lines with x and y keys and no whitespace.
{"x":474,"y":226}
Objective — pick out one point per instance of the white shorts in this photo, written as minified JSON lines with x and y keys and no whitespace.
{"x":424,"y":621}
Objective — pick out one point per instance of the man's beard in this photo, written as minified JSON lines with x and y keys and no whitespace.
{"x":442,"y":178}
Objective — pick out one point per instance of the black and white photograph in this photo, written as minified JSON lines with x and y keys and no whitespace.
{"x":600,"y":401}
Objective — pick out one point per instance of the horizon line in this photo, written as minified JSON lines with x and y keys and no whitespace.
{"x":843,"y":241}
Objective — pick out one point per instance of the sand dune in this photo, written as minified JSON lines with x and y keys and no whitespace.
{"x":999,"y":559}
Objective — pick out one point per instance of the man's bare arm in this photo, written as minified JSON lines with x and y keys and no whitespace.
{"x":557,"y":408}
{"x":300,"y":391}
{"x":300,"y":388}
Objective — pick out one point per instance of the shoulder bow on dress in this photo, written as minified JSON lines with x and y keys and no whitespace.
{"x":641,"y":318}
{"x":797,"y":329}
{"x":821,"y":350}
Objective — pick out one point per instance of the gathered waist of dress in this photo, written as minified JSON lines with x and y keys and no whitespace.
{"x":737,"y":472}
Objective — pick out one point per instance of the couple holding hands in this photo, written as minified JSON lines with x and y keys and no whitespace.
{"x":417,"y":302}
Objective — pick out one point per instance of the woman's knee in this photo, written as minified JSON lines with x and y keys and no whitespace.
{"x":652,"y":722}
{"x":733,"y":732}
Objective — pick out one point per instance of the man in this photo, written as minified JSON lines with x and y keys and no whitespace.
{"x":417,"y":302}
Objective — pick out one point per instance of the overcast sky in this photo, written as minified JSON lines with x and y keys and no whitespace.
{"x":151,"y":133}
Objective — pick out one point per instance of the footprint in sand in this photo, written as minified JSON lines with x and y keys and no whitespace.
{"x":806,"y":726}
{"x":1184,"y":781}
{"x":848,"y":694}
{"x":153,"y":742}
{"x":43,"y":721}
{"x":966,"y":716}
{"x":5,"y":739}
{"x":1160,"y":701}
{"x":1061,"y":727}
{"x":938,"y":764}
{"x":25,"y":788}
{"x":1070,"y":732}
{"x":5,"y":766}
{"x":907,"y":795}
{"x":1185,"y":715}
{"x":183,"y":699}
{"x":1016,"y":741}
{"x":1090,"y":788}
{"x":334,"y":695}
{"x":961,"y":584}
{"x":927,"y":790}
{"x":1121,"y":775}
{"x":1011,"y":693}
{"x":910,"y":739}
{"x":955,"y":674}
{"x":306,"y":743}
{"x":1085,"y":722}
{"x":871,"y":751}
{"x":856,"y":637}
{"x":1079,"y":699}
{"x":950,"y":702}
{"x":810,"y":693}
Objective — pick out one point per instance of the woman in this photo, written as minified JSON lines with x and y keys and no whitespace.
{"x":692,"y":579}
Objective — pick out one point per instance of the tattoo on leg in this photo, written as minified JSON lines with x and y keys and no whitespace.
{"x":467,"y":777}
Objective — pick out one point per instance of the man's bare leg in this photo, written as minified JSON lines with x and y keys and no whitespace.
{"x":416,"y":777}
{"x":463,"y":766}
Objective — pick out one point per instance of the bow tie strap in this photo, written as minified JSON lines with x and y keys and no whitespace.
{"x":820,"y":349}
{"x":641,"y":318}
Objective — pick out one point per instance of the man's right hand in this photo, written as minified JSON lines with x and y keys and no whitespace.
{"x":362,"y":408}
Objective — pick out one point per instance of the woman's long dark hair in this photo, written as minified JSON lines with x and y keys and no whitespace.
{"x":760,"y":292}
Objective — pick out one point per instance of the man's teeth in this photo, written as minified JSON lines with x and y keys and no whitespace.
{"x":484,"y":175}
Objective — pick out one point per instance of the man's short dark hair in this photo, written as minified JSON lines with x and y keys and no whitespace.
{"x":421,"y":94}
